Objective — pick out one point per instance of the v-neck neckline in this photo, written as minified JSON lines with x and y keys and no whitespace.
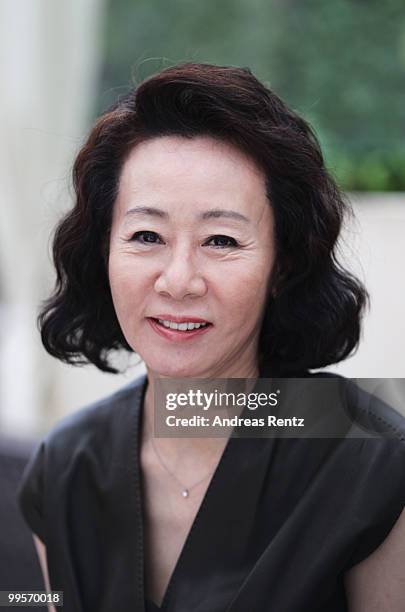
{"x":255,"y":444}
{"x":141,"y":512}
{"x":152,"y":606}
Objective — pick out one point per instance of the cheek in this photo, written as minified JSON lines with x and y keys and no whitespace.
{"x":244,"y":293}
{"x":124,"y":284}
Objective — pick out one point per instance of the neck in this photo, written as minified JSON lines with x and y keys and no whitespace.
{"x":196,"y":450}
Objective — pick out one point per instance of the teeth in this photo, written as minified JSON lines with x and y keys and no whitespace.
{"x":184,"y":326}
{"x":181,"y":326}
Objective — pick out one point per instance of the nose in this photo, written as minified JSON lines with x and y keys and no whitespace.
{"x":180,"y":277}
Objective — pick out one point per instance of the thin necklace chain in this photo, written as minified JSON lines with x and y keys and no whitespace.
{"x":185,"y":491}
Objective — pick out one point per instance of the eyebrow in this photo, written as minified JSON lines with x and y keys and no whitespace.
{"x":214,"y":213}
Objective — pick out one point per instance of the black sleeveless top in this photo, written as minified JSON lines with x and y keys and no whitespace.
{"x":281,"y":522}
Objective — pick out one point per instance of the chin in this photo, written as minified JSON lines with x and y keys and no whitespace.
{"x":175,"y":369}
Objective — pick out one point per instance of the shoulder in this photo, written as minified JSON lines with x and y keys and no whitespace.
{"x":364,"y":455}
{"x":96,"y":426}
{"x":78,"y":454}
{"x":372,"y":443}
{"x":368,"y":462}
{"x":367,"y":404}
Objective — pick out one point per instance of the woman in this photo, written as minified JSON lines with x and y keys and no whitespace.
{"x":202,"y":200}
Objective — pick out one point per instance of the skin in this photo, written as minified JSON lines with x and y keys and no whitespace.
{"x":41,"y":551}
{"x":183,"y":271}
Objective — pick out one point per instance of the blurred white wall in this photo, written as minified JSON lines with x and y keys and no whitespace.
{"x":374,"y":248}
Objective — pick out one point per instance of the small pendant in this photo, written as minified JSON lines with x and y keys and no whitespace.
{"x":185,"y":493}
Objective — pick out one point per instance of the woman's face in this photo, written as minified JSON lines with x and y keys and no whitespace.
{"x":191,"y":238}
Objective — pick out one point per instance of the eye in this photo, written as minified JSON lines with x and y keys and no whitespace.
{"x":222,"y":240}
{"x":148,"y":237}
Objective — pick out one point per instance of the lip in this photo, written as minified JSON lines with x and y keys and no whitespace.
{"x":179,"y":319}
{"x":175,"y":334}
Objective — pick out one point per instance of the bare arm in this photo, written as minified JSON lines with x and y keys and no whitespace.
{"x":41,"y":550}
{"x":378,"y":582}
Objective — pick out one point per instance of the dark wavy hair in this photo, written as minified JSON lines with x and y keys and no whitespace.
{"x":313,"y":312}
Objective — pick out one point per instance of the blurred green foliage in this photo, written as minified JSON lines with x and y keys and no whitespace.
{"x":340,"y":64}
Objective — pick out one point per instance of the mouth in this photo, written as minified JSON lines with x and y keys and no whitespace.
{"x":174,"y":330}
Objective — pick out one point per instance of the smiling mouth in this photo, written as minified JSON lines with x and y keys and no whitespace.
{"x":185,"y":327}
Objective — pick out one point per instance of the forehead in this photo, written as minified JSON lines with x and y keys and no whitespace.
{"x":173,"y":171}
